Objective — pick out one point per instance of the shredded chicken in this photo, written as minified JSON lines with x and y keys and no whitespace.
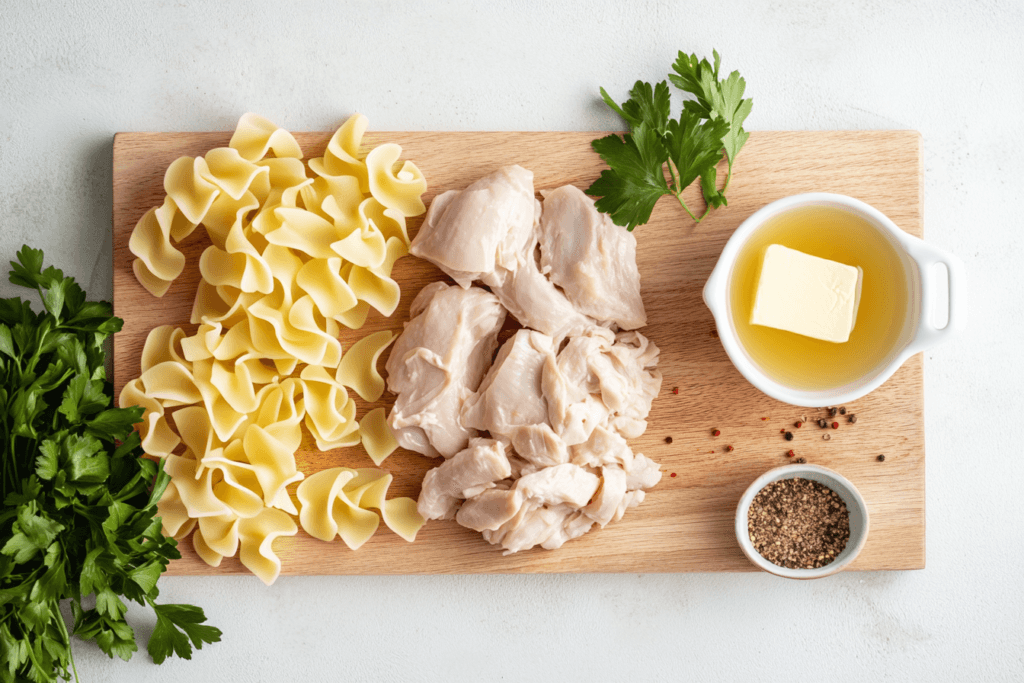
{"x":590,"y":258}
{"x":564,"y":394}
{"x":437,"y":363}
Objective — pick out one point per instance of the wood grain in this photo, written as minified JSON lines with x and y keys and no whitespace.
{"x":686,"y":522}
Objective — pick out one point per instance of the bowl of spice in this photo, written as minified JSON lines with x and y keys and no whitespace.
{"x":801,"y":522}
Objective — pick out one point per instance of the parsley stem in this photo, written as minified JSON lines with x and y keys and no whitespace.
{"x":680,"y":198}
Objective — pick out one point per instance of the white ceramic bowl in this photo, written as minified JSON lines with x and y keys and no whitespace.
{"x":859,"y":520}
{"x":919,"y":331}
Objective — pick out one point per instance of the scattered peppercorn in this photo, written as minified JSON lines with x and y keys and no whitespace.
{"x":716,"y":432}
{"x":790,"y":454}
{"x":729,"y":449}
{"x":675,"y":390}
{"x":668,"y":439}
{"x":881,"y":458}
{"x":822,"y":423}
{"x":801,"y":460}
{"x":835,"y":425}
{"x":789,"y":436}
{"x":799,"y":424}
{"x":852,"y":419}
{"x":672,"y":475}
{"x":763,"y":419}
{"x":832,"y":412}
{"x":842,"y":411}
{"x":826,"y":437}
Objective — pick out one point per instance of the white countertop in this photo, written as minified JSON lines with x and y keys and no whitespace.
{"x":74,"y":73}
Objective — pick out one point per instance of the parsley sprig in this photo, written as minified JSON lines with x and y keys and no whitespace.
{"x":683,"y":149}
{"x":79,"y":501}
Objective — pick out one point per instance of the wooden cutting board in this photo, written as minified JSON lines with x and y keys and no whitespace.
{"x":686,"y":523}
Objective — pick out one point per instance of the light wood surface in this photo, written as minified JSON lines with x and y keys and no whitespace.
{"x":686,"y":522}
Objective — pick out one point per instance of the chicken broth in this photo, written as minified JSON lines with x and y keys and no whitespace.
{"x":837,"y":235}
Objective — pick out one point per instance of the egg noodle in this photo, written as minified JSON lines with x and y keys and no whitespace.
{"x":296,"y":253}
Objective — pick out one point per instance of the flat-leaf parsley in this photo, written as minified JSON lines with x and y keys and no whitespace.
{"x":684,"y":149}
{"x":79,"y":500}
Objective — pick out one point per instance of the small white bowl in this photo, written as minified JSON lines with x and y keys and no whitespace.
{"x":922,"y":289}
{"x":859,"y":521}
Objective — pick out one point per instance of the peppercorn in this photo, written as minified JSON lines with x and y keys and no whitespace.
{"x":799,"y":424}
{"x":832,"y":412}
{"x":789,"y":436}
{"x":852,"y":419}
{"x":826,"y":437}
{"x":790,"y":454}
{"x":842,"y":411}
{"x":822,"y":423}
{"x":729,"y":449}
{"x":881,"y":458}
{"x":715,"y":432}
{"x":801,"y":460}
{"x":668,"y":439}
{"x":675,"y":390}
{"x":835,"y":425}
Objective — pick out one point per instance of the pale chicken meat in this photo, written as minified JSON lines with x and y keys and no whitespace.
{"x":471,"y":471}
{"x":510,"y":395}
{"x":562,"y":396}
{"x":437,"y":363}
{"x":590,"y":258}
{"x":470,"y":233}
{"x":558,"y":484}
{"x":533,"y":299}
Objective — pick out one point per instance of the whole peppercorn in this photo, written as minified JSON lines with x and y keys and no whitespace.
{"x":881,"y":458}
{"x":716,"y":432}
{"x":798,"y":424}
{"x":852,"y":419}
{"x":801,"y":460}
{"x":832,"y":412}
{"x":822,"y":423}
{"x":729,"y":449}
{"x":789,"y":436}
{"x":842,"y":411}
{"x":790,"y":454}
{"x":668,"y":439}
{"x":835,"y":425}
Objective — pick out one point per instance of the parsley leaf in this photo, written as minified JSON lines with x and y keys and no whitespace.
{"x":715,"y":99}
{"x":176,"y":626}
{"x":658,"y":145}
{"x":80,"y":500}
{"x":634,"y":181}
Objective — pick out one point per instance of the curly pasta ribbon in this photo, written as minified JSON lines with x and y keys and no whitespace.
{"x":295,"y":254}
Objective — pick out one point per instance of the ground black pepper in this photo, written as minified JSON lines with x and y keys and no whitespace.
{"x":798,"y":523}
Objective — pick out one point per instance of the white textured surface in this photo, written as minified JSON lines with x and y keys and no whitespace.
{"x":74,"y":73}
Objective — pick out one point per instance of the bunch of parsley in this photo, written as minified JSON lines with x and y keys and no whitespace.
{"x":79,"y":501}
{"x":689,"y":147}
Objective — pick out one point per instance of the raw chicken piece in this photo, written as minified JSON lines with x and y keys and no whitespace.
{"x":533,"y":300}
{"x":489,"y":509}
{"x":590,"y":258}
{"x":573,"y":412}
{"x":575,"y":525}
{"x":606,"y":503}
{"x":532,"y":525}
{"x":539,"y":445}
{"x":510,"y":395}
{"x":603,"y":448}
{"x":480,"y":465}
{"x":437,"y":362}
{"x":568,"y":484}
{"x":643,"y":473}
{"x":469,"y":233}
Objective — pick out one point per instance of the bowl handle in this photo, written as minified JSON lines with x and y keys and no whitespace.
{"x":926,"y":256}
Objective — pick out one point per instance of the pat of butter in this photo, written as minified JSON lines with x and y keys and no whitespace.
{"x":807,"y":295}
